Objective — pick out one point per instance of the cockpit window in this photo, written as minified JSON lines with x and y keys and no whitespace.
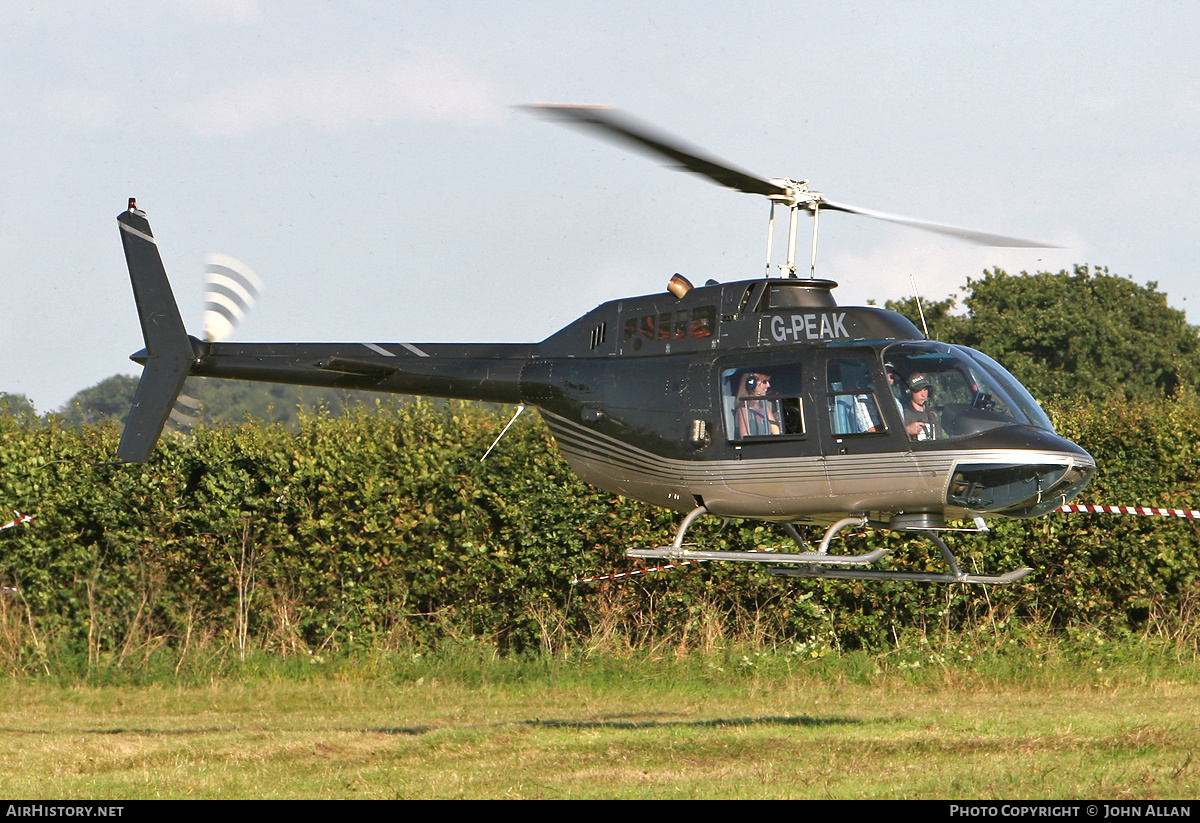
{"x":1019,"y":393}
{"x":955,"y":392}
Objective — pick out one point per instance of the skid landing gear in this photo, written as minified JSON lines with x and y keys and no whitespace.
{"x":821,"y":556}
{"x":954,"y":575}
{"x":818,"y":563}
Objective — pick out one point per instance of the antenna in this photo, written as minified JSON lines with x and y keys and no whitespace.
{"x":920,"y":310}
{"x":520,"y":409}
{"x":812,"y":268}
{"x":770,"y":237}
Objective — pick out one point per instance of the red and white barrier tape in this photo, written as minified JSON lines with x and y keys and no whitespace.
{"x":1190,"y":514}
{"x":18,"y":520}
{"x":633,"y":573}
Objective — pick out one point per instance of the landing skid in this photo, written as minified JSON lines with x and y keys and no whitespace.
{"x":817,"y":563}
{"x":812,"y":558}
{"x":918,"y":577}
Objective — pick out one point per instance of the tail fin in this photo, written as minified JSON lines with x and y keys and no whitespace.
{"x":169,"y":352}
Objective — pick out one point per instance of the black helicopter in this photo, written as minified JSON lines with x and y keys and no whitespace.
{"x":756,"y":399}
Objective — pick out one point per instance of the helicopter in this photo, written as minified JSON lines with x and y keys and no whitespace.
{"x":760,"y":399}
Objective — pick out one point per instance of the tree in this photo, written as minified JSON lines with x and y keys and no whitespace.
{"x":1084,"y":333}
{"x":232,"y":401}
{"x":943,"y":324}
{"x":109,"y":399}
{"x":221,"y":401}
{"x":15,"y":404}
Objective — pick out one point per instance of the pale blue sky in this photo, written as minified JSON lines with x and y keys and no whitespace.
{"x":364,"y":157}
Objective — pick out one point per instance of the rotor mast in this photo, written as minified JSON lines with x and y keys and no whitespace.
{"x":796,"y":196}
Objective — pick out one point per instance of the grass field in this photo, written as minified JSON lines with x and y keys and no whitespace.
{"x":754,"y":725}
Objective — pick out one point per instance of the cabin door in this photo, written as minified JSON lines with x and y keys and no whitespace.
{"x":867,"y":455}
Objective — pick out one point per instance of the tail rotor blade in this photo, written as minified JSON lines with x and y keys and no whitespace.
{"x":186,"y":412}
{"x":231,"y":289}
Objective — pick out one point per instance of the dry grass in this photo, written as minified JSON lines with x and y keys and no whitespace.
{"x":556,"y":736}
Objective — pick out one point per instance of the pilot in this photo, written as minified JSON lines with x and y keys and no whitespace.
{"x":920,"y":420}
{"x":756,"y":415}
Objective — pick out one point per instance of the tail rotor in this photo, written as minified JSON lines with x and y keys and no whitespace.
{"x":231,"y":289}
{"x":171,"y":352}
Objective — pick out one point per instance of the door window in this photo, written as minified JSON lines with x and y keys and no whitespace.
{"x":853,"y":409}
{"x":763,"y":402}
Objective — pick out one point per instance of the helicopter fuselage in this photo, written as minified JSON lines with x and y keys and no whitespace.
{"x":759,"y":398}
{"x":651,"y":397}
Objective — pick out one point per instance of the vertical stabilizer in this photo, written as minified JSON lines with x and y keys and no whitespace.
{"x":169,"y":352}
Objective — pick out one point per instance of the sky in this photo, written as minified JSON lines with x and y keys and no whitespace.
{"x":368,"y":160}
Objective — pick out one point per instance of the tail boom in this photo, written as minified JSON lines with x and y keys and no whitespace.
{"x":467,"y":371}
{"x":470,"y":371}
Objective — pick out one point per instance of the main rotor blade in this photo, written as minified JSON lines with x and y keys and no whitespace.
{"x":619,"y":126}
{"x":614,"y":124}
{"x":979,"y":238}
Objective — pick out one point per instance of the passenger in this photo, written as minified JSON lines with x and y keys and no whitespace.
{"x":756,"y":415}
{"x":920,"y":420}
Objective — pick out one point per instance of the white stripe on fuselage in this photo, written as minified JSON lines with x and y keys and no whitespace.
{"x":850,"y":467}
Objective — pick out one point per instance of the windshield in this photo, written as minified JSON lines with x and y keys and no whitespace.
{"x":956,"y":391}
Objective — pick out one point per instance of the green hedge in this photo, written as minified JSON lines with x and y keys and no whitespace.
{"x":384,"y":528}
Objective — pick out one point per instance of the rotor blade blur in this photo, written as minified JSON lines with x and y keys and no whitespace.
{"x":611,"y":123}
{"x":231,"y":288}
{"x":979,"y":238}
